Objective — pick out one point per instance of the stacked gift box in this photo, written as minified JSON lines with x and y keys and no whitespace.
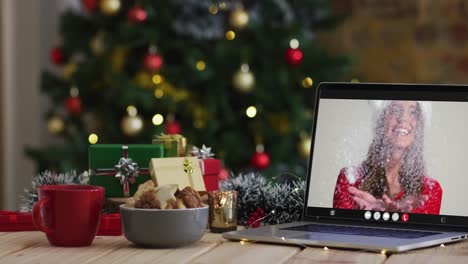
{"x":175,"y":146}
{"x":121,"y":168}
{"x":108,"y":161}
{"x":210,"y":169}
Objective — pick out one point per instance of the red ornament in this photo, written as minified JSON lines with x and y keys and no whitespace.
{"x":223,"y":174}
{"x":172,"y":127}
{"x":90,"y":5}
{"x":73,"y":105}
{"x":254,"y":220}
{"x":260,"y":160}
{"x":294,"y":56}
{"x":152,"y":62}
{"x":137,"y":14}
{"x":56,"y":56}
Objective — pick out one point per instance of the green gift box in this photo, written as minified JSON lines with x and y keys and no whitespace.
{"x":104,"y":158}
{"x":174,"y":145}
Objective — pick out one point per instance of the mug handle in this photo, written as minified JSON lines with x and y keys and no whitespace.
{"x":37,"y":218}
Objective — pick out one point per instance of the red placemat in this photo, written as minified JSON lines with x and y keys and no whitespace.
{"x":16,"y":221}
{"x":110,"y":225}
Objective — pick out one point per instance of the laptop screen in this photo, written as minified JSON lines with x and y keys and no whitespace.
{"x":390,"y":153}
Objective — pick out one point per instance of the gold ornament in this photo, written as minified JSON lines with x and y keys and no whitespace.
{"x":222,"y":5}
{"x":308,"y":114}
{"x":213,"y":9}
{"x":117,"y":59}
{"x":55,"y":125}
{"x":244,"y":80}
{"x":200,"y":115}
{"x":180,"y":95}
{"x":307,"y":82}
{"x":200,"y":65}
{"x":69,"y":69}
{"x":157,"y":79}
{"x":304,"y":147}
{"x":230,"y":35}
{"x":110,"y":7}
{"x":143,"y":79}
{"x":131,"y":125}
{"x":239,"y":18}
{"x":199,"y":123}
{"x":158,"y":93}
{"x":280,"y":123}
{"x":97,"y":44}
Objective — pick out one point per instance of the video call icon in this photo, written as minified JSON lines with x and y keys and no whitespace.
{"x":405,"y":217}
{"x":386,"y":216}
{"x":377,"y":215}
{"x":367,"y":215}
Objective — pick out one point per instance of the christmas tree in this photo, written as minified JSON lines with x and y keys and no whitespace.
{"x":237,"y":76}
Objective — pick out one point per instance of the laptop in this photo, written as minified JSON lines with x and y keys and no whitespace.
{"x":386,"y":171}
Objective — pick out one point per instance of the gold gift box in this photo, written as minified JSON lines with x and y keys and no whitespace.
{"x":184,"y":171}
{"x":174,"y":145}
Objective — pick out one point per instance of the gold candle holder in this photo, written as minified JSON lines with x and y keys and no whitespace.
{"x":223,"y":211}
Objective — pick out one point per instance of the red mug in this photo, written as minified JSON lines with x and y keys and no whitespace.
{"x":69,"y":214}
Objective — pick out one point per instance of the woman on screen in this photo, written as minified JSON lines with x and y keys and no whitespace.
{"x":393,"y":176}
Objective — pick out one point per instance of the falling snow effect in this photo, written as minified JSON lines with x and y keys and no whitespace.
{"x":397,"y":147}
{"x":351,"y":174}
{"x":383,"y":146}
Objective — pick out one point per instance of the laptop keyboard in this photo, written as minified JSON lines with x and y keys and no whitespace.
{"x":361,"y":231}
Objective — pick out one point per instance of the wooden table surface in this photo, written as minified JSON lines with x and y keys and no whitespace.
{"x":33,"y":247}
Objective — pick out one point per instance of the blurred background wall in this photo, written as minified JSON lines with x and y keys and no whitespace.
{"x":1,"y":107}
{"x":404,"y":41}
{"x":28,"y":30}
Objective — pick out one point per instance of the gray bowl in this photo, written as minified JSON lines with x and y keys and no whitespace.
{"x":163,"y":227}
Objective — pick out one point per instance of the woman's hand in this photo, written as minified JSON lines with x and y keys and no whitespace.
{"x":365,"y":200}
{"x":404,"y":205}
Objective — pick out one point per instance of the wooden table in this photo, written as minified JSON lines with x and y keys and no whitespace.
{"x":33,"y":247}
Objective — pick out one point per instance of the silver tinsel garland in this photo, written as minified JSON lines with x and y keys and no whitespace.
{"x":284,"y":202}
{"x":29,"y":198}
{"x":281,"y":202}
{"x":250,"y":188}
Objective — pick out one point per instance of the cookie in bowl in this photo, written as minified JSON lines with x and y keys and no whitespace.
{"x":164,"y":216}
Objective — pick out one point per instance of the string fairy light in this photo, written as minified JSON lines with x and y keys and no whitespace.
{"x":251,"y":111}
{"x":93,"y":138}
{"x":157,"y":79}
{"x":157,"y":119}
{"x":230,"y":35}
{"x":294,"y":43}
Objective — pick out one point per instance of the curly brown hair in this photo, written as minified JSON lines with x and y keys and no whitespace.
{"x":412,"y":168}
